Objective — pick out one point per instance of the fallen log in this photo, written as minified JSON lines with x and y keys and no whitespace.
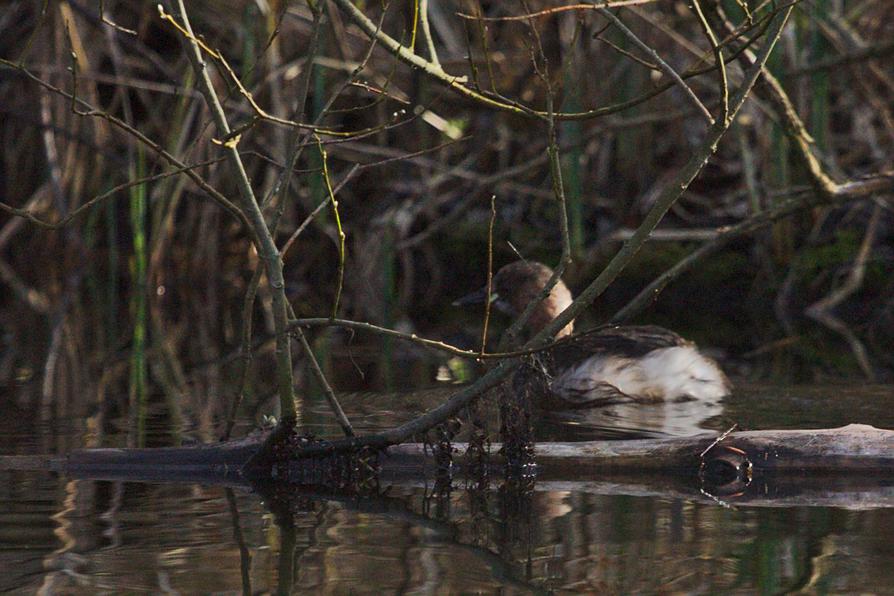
{"x":850,"y":450}
{"x":214,"y":463}
{"x":848,"y":466}
{"x":851,"y":466}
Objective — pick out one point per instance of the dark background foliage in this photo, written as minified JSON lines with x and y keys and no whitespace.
{"x":416,"y":212}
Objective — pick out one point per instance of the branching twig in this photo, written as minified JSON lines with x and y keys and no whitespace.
{"x":673,"y":189}
{"x":664,"y":66}
{"x":821,"y":310}
{"x":426,"y":32}
{"x":718,"y":59}
{"x":455,"y":83}
{"x":419,"y":425}
{"x":89,"y":110}
{"x":341,"y":233}
{"x":558,"y":187}
{"x":278,"y":191}
{"x":323,"y":204}
{"x":260,"y":113}
{"x":665,"y":200}
{"x":490,"y":272}
{"x":803,"y":202}
{"x":262,"y":237}
{"x":74,"y":213}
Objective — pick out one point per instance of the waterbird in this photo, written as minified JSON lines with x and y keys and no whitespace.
{"x":607,"y":364}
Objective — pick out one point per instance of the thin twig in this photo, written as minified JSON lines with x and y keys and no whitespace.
{"x":490,"y":271}
{"x":558,"y":9}
{"x":26,"y":47}
{"x":628,"y":54}
{"x":32,"y":217}
{"x":412,"y":338}
{"x":718,"y":59}
{"x":327,"y":389}
{"x":260,"y":233}
{"x":558,"y":188}
{"x":672,"y":190}
{"x":664,"y":66}
{"x":720,"y":438}
{"x":110,"y":22}
{"x":821,"y":310}
{"x":245,"y":349}
{"x":426,"y":32}
{"x":323,"y":204}
{"x":341,"y":233}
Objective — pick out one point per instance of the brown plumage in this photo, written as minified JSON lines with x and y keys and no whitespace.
{"x":609,"y":363}
{"x":520,"y":282}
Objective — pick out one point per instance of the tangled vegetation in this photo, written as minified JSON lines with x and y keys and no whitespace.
{"x":190,"y":198}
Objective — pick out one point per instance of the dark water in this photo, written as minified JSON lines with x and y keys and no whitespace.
{"x":60,"y":535}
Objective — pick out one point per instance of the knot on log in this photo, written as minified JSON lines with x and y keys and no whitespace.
{"x":725,"y":470}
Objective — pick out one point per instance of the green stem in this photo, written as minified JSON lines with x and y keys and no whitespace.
{"x":138,"y":298}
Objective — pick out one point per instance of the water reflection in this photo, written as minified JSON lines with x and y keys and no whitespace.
{"x":90,"y":536}
{"x":628,"y":421}
{"x":63,"y":535}
{"x":371,"y":411}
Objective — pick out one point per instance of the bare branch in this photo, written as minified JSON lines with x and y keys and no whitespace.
{"x":718,"y":59}
{"x":672,"y":190}
{"x":821,"y":310}
{"x":252,"y":211}
{"x":664,"y":66}
{"x":560,"y":9}
{"x":33,"y":218}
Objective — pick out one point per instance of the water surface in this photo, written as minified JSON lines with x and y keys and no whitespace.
{"x":65,"y":536}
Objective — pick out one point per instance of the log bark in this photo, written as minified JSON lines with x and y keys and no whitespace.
{"x":851,"y":466}
{"x":217,"y":463}
{"x":850,"y":450}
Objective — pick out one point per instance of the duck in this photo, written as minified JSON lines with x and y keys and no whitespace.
{"x":608,"y":364}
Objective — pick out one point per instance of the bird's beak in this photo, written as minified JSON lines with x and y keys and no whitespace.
{"x":476,"y":297}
